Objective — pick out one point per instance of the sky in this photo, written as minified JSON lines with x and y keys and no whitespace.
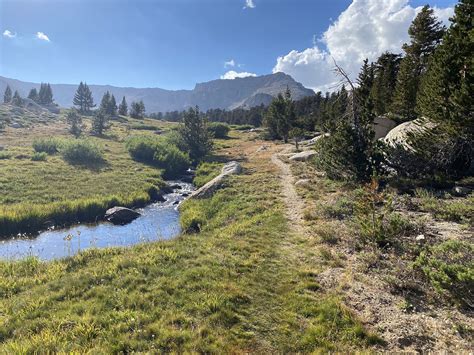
{"x":174,"y":44}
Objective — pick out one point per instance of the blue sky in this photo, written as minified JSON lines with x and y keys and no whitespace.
{"x":173,"y":44}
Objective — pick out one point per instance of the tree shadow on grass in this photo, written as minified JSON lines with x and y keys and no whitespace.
{"x":95,"y":166}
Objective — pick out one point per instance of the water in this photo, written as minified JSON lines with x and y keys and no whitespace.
{"x":158,"y":221}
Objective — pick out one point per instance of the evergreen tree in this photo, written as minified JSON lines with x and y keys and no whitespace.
{"x":17,"y":100}
{"x":80,"y":98}
{"x":75,"y":121}
{"x":112,"y":109}
{"x":195,"y":134}
{"x":385,"y":78}
{"x":45,"y":95}
{"x":426,"y":33}
{"x":88,"y":99}
{"x":99,"y":122}
{"x":105,"y":103}
{"x":280,"y":116}
{"x":137,"y":109}
{"x":33,"y":95}
{"x":447,"y":90}
{"x":7,"y":96}
{"x":123,"y":108}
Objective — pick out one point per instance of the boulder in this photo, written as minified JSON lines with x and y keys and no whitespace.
{"x":383,"y":125}
{"x":16,"y":125}
{"x":460,"y":191}
{"x":400,"y":133}
{"x":231,"y":168}
{"x":313,"y":140}
{"x":303,"y":156}
{"x":121,"y":215}
{"x":303,"y":182}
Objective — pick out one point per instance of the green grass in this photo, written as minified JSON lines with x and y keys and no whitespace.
{"x":55,"y":191}
{"x":205,"y":172}
{"x":240,"y":285}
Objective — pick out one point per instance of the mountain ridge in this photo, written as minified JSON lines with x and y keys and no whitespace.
{"x":219,"y":93}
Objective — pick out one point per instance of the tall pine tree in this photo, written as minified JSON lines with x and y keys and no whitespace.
{"x":385,"y":78}
{"x":426,"y":33}
{"x":7,"y":96}
{"x":123,"y":108}
{"x":33,"y":95}
{"x":195,"y":134}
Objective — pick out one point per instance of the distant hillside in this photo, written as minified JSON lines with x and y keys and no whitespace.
{"x":224,"y":94}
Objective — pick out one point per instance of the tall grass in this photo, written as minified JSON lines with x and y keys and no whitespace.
{"x":31,"y":218}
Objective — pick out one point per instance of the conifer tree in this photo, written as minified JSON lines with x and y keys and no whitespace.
{"x":17,"y":100}
{"x":123,"y":108}
{"x":7,"y":96}
{"x":88,"y":99}
{"x":99,"y":122}
{"x":280,"y":116}
{"x":105,"y":103}
{"x":33,"y":95}
{"x":447,"y":90}
{"x":112,"y":109}
{"x":195,"y":134}
{"x":426,"y":33}
{"x":80,"y":98}
{"x":137,"y":109}
{"x":385,"y":78}
{"x":45,"y":95}
{"x":75,"y":121}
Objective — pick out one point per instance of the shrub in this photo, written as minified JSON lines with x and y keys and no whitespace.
{"x":171,"y":159}
{"x":39,"y":156}
{"x":46,"y":145}
{"x":449,"y":266}
{"x":159,"y":153}
{"x":219,"y":129}
{"x":82,"y":152}
{"x":4,"y":155}
{"x":142,"y":148}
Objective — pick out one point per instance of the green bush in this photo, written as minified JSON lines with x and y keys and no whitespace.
{"x":449,"y":267}
{"x":160,"y":153}
{"x":219,"y":129}
{"x":46,"y":145}
{"x":171,"y":159}
{"x":39,"y":156}
{"x":5,"y":155}
{"x":82,"y":152}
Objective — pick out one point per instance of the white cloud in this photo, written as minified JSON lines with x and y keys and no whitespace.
{"x":9,"y":34}
{"x":249,"y":4}
{"x":230,"y":63}
{"x":364,"y":30}
{"x":231,"y":74}
{"x":42,"y":36}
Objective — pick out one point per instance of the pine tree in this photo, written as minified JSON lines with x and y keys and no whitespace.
{"x":105,"y":103}
{"x":75,"y":121}
{"x":17,"y":100}
{"x":385,"y":78}
{"x":80,"y":98}
{"x":99,"y":122}
{"x":280,"y":116}
{"x":33,"y":95}
{"x":88,"y":99}
{"x":45,"y":95}
{"x":112,"y":110}
{"x":426,"y":33}
{"x":195,"y":134}
{"x":447,"y":90}
{"x":137,"y":109}
{"x":7,"y":96}
{"x":123,"y":108}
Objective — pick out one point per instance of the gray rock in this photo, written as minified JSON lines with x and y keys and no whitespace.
{"x":303,"y":156}
{"x":460,"y":191}
{"x":382,"y":125}
{"x":16,"y":125}
{"x":303,"y":182}
{"x":231,"y":168}
{"x":121,"y":215}
{"x":400,"y":134}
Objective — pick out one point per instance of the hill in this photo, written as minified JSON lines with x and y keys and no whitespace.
{"x":223,"y":94}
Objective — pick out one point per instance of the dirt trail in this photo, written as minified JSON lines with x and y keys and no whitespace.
{"x":293,"y":202}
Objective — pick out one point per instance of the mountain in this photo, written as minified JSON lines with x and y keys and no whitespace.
{"x":224,"y":94}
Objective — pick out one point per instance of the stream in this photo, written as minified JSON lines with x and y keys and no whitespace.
{"x":158,"y":221}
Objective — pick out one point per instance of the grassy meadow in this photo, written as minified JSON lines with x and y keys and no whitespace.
{"x":244,"y":283}
{"x":35,"y":191}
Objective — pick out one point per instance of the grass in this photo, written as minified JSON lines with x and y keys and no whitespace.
{"x":240,"y":285}
{"x":205,"y":172}
{"x":54,"y":191}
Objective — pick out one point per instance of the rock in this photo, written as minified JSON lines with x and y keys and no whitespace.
{"x":185,"y":194}
{"x":16,"y":125}
{"x":460,"y":191}
{"x":262,"y":148}
{"x":400,"y":133}
{"x":382,"y":125}
{"x":420,"y":238}
{"x":121,"y":215}
{"x":231,"y":168}
{"x":303,"y":156}
{"x":176,"y":187}
{"x":302,"y":182}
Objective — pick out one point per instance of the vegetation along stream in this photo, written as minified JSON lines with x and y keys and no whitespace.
{"x":157,"y":221}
